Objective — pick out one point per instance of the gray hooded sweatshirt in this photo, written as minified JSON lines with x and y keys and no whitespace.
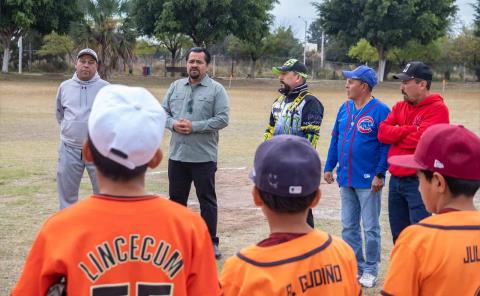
{"x":74,"y":103}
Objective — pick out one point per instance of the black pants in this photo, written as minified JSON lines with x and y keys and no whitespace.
{"x":180,"y":177}
{"x":310,"y":218}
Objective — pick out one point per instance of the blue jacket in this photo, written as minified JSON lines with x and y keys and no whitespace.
{"x":354,"y":144}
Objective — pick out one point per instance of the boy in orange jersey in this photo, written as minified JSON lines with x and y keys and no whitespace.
{"x":441,"y":254}
{"x":122,"y":241}
{"x":295,"y":259}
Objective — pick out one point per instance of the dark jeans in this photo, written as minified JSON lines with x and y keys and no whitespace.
{"x":405,"y":205}
{"x":180,"y":177}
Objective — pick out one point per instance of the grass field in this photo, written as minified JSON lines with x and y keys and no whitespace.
{"x":29,"y":137}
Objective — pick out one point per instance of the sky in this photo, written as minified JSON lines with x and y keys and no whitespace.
{"x":287,"y":13}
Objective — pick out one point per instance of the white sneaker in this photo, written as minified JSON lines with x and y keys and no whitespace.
{"x":368,"y":280}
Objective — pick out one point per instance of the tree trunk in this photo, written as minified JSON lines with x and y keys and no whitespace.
{"x":253,"y":67}
{"x":104,"y":67}
{"x":388,"y":68}
{"x":6,"y":53}
{"x":381,"y":62}
{"x":173,"y":53}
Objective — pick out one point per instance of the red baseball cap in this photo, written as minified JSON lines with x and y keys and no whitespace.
{"x":451,"y":150}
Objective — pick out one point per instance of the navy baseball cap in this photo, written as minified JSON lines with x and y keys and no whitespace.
{"x":286,"y":166}
{"x":415,"y":70}
{"x":364,"y":74}
{"x":292,"y":65}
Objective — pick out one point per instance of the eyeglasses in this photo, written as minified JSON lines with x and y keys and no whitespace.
{"x":190,"y":106}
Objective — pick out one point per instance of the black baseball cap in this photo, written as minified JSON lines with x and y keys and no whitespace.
{"x":415,"y":70}
{"x":287,"y":166}
{"x":292,"y":65}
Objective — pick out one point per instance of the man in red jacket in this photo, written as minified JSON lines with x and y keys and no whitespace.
{"x":402,"y":130}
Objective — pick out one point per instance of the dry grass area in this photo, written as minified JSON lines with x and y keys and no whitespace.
{"x":29,"y":137}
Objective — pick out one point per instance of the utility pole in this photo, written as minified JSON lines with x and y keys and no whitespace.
{"x":322,"y":57}
{"x":20,"y":54}
{"x":305,"y":39}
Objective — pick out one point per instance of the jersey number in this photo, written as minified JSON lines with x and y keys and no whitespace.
{"x":142,"y":289}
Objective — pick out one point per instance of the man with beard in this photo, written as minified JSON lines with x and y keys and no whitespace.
{"x":402,"y":129}
{"x":73,"y":104}
{"x":197,"y":108}
{"x":296,"y":111}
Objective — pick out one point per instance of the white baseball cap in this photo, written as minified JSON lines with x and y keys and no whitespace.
{"x":126,"y":124}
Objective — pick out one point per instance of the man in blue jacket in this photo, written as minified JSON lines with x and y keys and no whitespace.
{"x":362,"y":162}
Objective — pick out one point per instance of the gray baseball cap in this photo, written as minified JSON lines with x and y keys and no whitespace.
{"x":286,"y":166}
{"x":88,"y":51}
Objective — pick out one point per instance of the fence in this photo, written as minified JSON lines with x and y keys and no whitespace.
{"x":237,"y":67}
{"x":241,"y":68}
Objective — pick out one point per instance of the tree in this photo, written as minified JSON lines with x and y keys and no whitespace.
{"x":17,"y":17}
{"x":108,"y":31}
{"x":205,"y":21}
{"x":413,"y":50}
{"x":467,"y":51}
{"x":238,"y":47}
{"x":58,"y":45}
{"x":283,"y":43}
{"x":363,"y":52}
{"x":174,"y":42}
{"x":251,"y":39}
{"x":384,"y":23}
{"x":476,"y":18}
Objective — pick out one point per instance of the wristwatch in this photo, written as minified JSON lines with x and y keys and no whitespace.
{"x":380,"y":175}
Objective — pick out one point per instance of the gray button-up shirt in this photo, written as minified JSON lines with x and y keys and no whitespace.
{"x":206,"y":106}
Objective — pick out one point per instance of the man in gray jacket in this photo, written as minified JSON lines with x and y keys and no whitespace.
{"x":74,"y":102}
{"x":197,"y":108}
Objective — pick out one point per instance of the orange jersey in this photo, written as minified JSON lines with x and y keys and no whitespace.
{"x":313,"y":264}
{"x":438,"y":256}
{"x":122,"y":246}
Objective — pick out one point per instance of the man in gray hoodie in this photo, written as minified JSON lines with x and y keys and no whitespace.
{"x":73,"y":104}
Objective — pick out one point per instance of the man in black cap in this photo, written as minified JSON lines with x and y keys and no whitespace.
{"x":296,"y":111}
{"x":402,"y":129}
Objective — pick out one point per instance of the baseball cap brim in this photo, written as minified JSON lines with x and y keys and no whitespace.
{"x":278,"y":70}
{"x":349,"y":74}
{"x":406,"y":161}
{"x":402,"y":76}
{"x":86,"y":53}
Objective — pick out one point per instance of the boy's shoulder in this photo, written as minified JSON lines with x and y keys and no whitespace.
{"x":100,"y":208}
{"x":433,"y":226}
{"x":451,"y":220}
{"x":298,"y":249}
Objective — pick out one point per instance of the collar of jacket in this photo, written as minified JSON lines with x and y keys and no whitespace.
{"x":206,"y":81}
{"x":94,"y":79}
{"x":295,"y":92}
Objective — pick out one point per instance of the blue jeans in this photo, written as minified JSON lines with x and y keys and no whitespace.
{"x":364,"y":204}
{"x":405,"y":205}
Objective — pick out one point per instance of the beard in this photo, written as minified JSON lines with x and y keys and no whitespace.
{"x":284,"y":88}
{"x":407,"y":98}
{"x":194,"y":73}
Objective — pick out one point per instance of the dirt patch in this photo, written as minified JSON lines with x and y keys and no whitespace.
{"x":235,"y":205}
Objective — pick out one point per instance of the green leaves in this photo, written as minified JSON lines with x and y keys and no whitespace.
{"x":363,"y":52}
{"x":386,"y":23}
